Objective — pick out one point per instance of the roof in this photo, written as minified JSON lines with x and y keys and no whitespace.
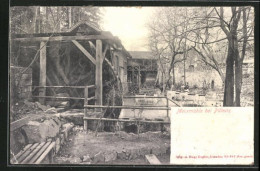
{"x":142,"y":55}
{"x":83,"y":27}
{"x":81,"y":23}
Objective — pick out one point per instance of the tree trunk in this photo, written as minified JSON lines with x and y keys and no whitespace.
{"x":238,"y":81}
{"x":229,"y":80}
{"x":173,"y":76}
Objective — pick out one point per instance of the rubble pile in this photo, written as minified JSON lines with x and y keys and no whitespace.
{"x":25,"y":107}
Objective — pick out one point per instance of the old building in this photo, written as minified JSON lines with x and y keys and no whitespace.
{"x":142,"y":70}
{"x":63,"y":64}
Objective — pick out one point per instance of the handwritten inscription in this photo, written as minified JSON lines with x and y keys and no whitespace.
{"x":205,"y":110}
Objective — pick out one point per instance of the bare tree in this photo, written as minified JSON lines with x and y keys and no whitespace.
{"x":170,"y":37}
{"x":232,"y":28}
{"x":235,"y":33}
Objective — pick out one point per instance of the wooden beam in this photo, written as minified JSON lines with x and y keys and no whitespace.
{"x":42,"y":82}
{"x":99,"y":86}
{"x":55,"y":97}
{"x":105,"y":51}
{"x":125,"y":120}
{"x":152,"y":159}
{"x":85,"y":110}
{"x":129,"y":107}
{"x":21,"y":122}
{"x":50,"y":147}
{"x":84,"y":51}
{"x":64,"y":38}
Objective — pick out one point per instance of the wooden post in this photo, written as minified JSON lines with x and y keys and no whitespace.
{"x":139,"y":79}
{"x":99,"y":85}
{"x":85,"y":109}
{"x":42,"y":82}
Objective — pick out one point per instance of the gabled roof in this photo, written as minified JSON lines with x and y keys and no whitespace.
{"x":142,"y":55}
{"x":82,"y":27}
{"x":83,"y":23}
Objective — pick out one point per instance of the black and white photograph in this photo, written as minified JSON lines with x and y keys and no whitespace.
{"x":101,"y":85}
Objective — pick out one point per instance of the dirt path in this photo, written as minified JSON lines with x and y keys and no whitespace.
{"x":117,"y":145}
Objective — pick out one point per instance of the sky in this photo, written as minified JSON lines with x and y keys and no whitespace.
{"x":129,"y":24}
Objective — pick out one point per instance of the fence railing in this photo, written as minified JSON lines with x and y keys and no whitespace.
{"x":85,"y":98}
{"x":140,"y":107}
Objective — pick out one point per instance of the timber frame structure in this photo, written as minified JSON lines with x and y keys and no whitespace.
{"x":102,"y":41}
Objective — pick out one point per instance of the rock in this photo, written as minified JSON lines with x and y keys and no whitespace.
{"x":26,"y":102}
{"x":99,"y":157}
{"x":40,"y":106}
{"x":110,"y":156}
{"x":64,"y":104}
{"x":127,"y":153}
{"x":163,"y":150}
{"x":51,"y":110}
{"x":134,"y":154}
{"x":121,"y":155}
{"x":77,"y":128}
{"x":40,"y":131}
{"x":76,"y":118}
{"x":66,"y":128}
{"x":86,"y":158}
{"x":17,"y":141}
{"x":157,"y":151}
{"x":75,"y":160}
{"x":143,"y":151}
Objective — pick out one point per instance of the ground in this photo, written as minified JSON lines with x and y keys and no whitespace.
{"x":113,"y":148}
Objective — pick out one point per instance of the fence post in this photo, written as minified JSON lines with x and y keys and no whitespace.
{"x":43,"y":63}
{"x":85,"y":109}
{"x":98,"y":82}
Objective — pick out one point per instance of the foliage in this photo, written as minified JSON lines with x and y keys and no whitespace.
{"x":35,"y":19}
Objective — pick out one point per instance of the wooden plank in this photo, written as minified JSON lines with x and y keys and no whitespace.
{"x":99,"y":86}
{"x":92,"y":98}
{"x":32,"y":153}
{"x":42,"y":92}
{"x":39,"y":153}
{"x":19,"y":123}
{"x":139,"y":97}
{"x":64,"y":38}
{"x":125,"y":120}
{"x":84,"y":51}
{"x":152,"y":159}
{"x":54,"y":97}
{"x":27,"y":152}
{"x":58,"y":86}
{"x":39,"y":160}
{"x":90,"y":86}
{"x":129,"y":107}
{"x":14,"y":159}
